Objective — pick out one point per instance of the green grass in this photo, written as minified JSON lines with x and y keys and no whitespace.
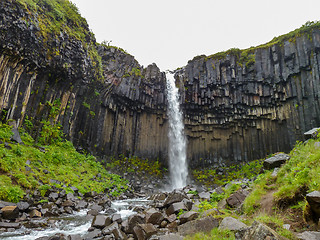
{"x":246,"y":56}
{"x":234,"y":172}
{"x":62,"y":162}
{"x":214,"y":234}
{"x":56,"y":16}
{"x":136,"y":165}
{"x":276,"y":222}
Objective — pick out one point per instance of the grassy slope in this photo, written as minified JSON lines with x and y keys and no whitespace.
{"x":60,"y":161}
{"x":277,"y":200}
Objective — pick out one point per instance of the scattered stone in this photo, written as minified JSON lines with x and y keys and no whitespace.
{"x":200,"y":225}
{"x":313,"y":199}
{"x":258,"y":231}
{"x":309,"y":235}
{"x":75,"y":237}
{"x":232,"y":224}
{"x":188,"y":216}
{"x":174,"y":197}
{"x":313,"y":133}
{"x":275,"y":161}
{"x":16,"y":135}
{"x":236,"y":199}
{"x":153,"y":216}
{"x":144,"y":231}
{"x":101,"y":221}
{"x":23,"y":206}
{"x":9,"y":225}
{"x":94,"y":234}
{"x":114,"y":229}
{"x":176,"y":207}
{"x":35,"y":213}
{"x":134,"y":220}
{"x":116,"y":218}
{"x":171,"y":236}
{"x":204,"y":196}
{"x":10,"y":212}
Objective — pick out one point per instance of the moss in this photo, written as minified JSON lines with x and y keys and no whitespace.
{"x":54,"y":17}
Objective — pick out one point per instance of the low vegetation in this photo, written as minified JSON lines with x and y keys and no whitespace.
{"x":210,"y":176}
{"x":54,"y":17}
{"x":30,"y":166}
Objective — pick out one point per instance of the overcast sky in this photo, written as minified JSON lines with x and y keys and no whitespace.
{"x":171,"y":32}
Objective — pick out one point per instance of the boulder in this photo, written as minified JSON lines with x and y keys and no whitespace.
{"x":101,"y":221}
{"x":93,"y":234}
{"x":275,"y":161}
{"x":174,"y":197}
{"x":204,"y":196}
{"x":75,"y":237}
{"x":10,"y":212}
{"x":176,"y":207}
{"x":16,"y":135}
{"x":144,"y":231}
{"x":114,"y":229}
{"x":236,"y":199}
{"x":116,"y":218}
{"x":188,"y":216}
{"x":35,"y":213}
{"x":9,"y":225}
{"x":309,"y":235}
{"x":258,"y":231}
{"x":313,"y":133}
{"x":200,"y":225}
{"x":134,"y":220}
{"x":313,"y":199}
{"x":23,"y":206}
{"x":232,"y":224}
{"x":153,"y":216}
{"x":171,"y":236}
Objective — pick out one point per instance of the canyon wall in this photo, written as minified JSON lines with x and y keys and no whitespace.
{"x":238,"y":106}
{"x":244,"y":105}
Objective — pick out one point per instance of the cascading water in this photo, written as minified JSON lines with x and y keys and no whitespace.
{"x":177,"y":140}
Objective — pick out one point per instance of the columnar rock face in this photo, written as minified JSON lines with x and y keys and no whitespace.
{"x":122,"y":113}
{"x":237,"y":108}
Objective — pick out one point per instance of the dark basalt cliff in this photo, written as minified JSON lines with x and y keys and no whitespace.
{"x":238,"y":106}
{"x":251,"y":103}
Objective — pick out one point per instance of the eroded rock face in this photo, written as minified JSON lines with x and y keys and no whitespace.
{"x":233,"y":111}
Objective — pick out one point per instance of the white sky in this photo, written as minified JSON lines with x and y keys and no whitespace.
{"x":171,"y":32}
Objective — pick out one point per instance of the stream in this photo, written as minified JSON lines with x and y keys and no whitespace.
{"x":77,"y":223}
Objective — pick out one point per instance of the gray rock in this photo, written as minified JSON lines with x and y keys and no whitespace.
{"x":153,"y":216}
{"x":23,"y":206}
{"x":176,"y":207}
{"x":144,"y":231}
{"x":10,"y":212}
{"x":9,"y":225}
{"x":259,"y":231}
{"x":114,"y":229}
{"x":188,"y":216}
{"x":75,"y":237}
{"x":237,"y":198}
{"x":174,"y":197}
{"x":171,"y":236}
{"x":313,"y":199}
{"x":16,"y":135}
{"x":101,"y":221}
{"x":232,"y":224}
{"x":94,"y":234}
{"x":134,"y":220}
{"x":275,"y":161}
{"x":309,"y":235}
{"x":311,"y":133}
{"x":204,"y":196}
{"x":200,"y":225}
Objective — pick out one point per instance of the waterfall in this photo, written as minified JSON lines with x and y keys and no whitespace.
{"x":177,"y":140}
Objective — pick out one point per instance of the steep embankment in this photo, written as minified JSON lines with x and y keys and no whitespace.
{"x":239,"y":105}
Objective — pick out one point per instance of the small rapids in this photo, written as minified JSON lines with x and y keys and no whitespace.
{"x":77,"y":223}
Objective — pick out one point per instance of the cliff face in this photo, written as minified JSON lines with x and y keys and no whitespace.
{"x":239,"y":106}
{"x":121,"y":112}
{"x":248,"y":104}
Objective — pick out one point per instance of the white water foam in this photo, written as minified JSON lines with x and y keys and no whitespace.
{"x":177,"y":140}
